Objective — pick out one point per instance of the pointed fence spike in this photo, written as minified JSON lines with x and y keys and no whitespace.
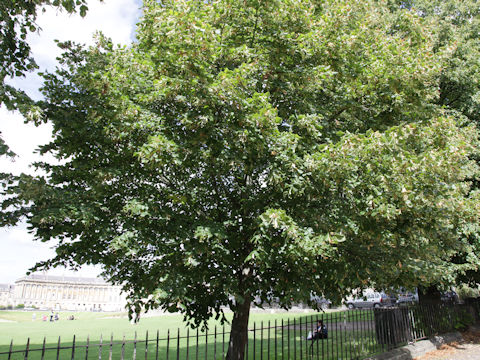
{"x":43,"y":347}
{"x":111,"y":347}
{"x":123,"y":347}
{"x":261,"y":340}
{"x":135,"y":346}
{"x":73,"y":348}
{"x":10,"y":350}
{"x":26,"y":349}
{"x":146,"y":345}
{"x":100,"y":347}
{"x":268,"y":341}
{"x":86,"y":348}
{"x":58,"y":348}
{"x":156,"y":349}
{"x":178,"y":344}
{"x":215,"y":343}
{"x":206,"y":343}
{"x":168,"y":342}
{"x":188,"y":342}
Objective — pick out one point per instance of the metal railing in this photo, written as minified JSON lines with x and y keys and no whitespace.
{"x":352,"y":334}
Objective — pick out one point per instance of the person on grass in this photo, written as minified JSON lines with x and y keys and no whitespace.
{"x":320,"y":332}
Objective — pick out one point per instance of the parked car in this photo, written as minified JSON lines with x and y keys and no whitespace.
{"x":450,"y":297}
{"x":407,"y":297}
{"x":370,"y":300}
{"x":321,"y":302}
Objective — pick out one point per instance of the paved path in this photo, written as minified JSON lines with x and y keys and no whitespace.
{"x":469,"y":349}
{"x":457,"y":352}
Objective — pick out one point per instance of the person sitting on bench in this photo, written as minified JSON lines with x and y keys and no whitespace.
{"x":320,"y":333}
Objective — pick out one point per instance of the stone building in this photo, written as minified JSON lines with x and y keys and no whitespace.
{"x":6,"y":295}
{"x":68,"y":293}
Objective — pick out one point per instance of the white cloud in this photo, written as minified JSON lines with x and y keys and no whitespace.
{"x":116,"y":19}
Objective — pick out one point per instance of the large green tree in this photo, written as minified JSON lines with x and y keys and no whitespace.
{"x":255,"y":151}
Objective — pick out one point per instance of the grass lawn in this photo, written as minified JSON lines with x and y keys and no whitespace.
{"x":287,"y":340}
{"x":18,"y":325}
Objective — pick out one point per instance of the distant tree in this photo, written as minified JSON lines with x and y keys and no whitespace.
{"x":249,"y":150}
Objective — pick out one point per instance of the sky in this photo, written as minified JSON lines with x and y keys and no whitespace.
{"x":116,"y":19}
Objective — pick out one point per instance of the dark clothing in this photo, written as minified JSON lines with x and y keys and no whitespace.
{"x":320,"y":333}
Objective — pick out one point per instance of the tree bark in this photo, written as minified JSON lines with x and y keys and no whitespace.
{"x":429,"y":295}
{"x":239,"y":331}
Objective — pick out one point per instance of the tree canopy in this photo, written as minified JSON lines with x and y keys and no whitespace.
{"x":257,"y":150}
{"x":456,"y":33}
{"x":17,"y":20}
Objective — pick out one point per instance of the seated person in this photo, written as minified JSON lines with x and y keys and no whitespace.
{"x":320,"y":333}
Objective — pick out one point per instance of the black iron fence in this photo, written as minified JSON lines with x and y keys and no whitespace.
{"x":352,"y":334}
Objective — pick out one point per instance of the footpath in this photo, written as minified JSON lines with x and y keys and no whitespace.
{"x":466,"y":349}
{"x":451,"y":346}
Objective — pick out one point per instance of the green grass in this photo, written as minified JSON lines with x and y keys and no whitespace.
{"x":92,"y":325}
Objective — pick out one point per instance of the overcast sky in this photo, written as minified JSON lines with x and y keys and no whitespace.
{"x":116,"y":19}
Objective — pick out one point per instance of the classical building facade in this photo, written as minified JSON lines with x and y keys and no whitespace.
{"x":7,"y":295}
{"x":68,"y":293}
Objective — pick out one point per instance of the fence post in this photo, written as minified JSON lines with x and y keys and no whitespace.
{"x":223,"y":341}
{"x":294,"y":340}
{"x":288,"y":338}
{"x":254,"y":340}
{"x":86,"y":349}
{"x":73,"y":348}
{"x":146,"y":345}
{"x":43,"y":347}
{"x":100,"y":348}
{"x":283,"y":339}
{"x":26,"y":349}
{"x":10,"y":350}
{"x":301,"y":347}
{"x":215,"y":342}
{"x":342,"y":333}
{"x":188,"y":343}
{"x":123,"y":347}
{"x":178,"y":344}
{"x":326,"y":340}
{"x":168,"y":342}
{"x":275,"y":337}
{"x":206,"y":344}
{"x":268,"y":343}
{"x":196,"y":347}
{"x":58,"y":348}
{"x":332,"y":350}
{"x":156,"y":351}
{"x":135,"y":347}
{"x":111,"y":347}
{"x":261,"y":340}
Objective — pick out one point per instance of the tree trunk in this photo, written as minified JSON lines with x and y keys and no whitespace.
{"x":239,"y":331}
{"x":429,"y":295}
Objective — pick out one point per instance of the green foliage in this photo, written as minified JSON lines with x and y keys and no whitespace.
{"x":455,"y":27}
{"x":464,"y":291}
{"x":255,"y":150}
{"x":17,"y":20}
{"x":462,"y":320}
